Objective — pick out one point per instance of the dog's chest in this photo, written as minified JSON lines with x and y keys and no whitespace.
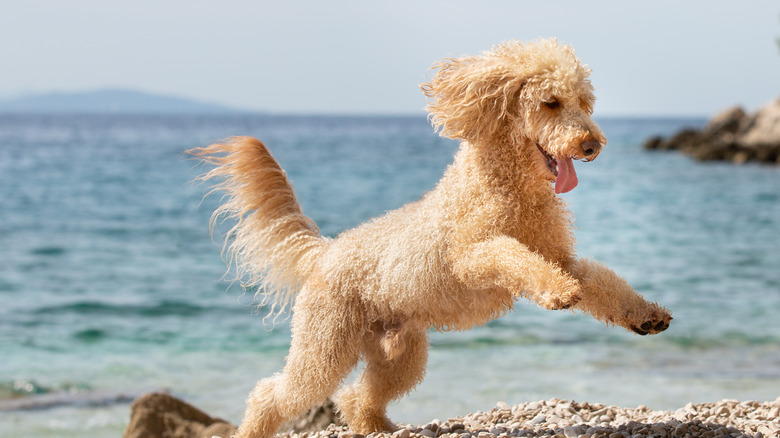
{"x":545,"y":229}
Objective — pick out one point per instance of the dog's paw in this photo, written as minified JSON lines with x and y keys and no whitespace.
{"x":563,"y":303}
{"x":656,"y":321}
{"x":568,"y":297}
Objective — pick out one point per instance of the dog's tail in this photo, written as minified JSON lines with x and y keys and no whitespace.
{"x":274,"y":245}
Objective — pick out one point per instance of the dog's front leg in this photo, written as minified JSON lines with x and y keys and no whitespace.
{"x":503,"y":261}
{"x":609,"y":298}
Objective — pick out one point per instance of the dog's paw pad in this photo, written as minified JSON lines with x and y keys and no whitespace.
{"x":656,"y":324}
{"x":644,"y":329}
{"x":661,"y":326}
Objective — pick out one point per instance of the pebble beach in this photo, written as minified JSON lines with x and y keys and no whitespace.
{"x":570,"y":419}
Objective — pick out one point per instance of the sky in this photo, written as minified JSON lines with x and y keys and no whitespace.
{"x":659,"y":58}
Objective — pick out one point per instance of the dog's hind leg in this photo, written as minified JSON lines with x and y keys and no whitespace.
{"x":325,"y":347}
{"x":391,"y":371}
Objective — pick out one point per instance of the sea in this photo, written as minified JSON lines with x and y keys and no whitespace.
{"x":112,"y":285}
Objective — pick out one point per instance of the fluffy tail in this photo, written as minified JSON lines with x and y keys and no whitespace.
{"x":274,"y":245}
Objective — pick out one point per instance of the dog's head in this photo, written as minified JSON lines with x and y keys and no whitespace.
{"x":535,"y":97}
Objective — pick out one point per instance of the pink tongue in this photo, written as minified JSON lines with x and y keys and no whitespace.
{"x":567,"y":177}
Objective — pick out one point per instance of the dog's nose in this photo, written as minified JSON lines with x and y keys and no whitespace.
{"x":590,"y":147}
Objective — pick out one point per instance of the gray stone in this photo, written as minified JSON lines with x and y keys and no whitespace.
{"x":401,"y":433}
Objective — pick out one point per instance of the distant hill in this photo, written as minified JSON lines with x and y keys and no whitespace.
{"x":109,"y":101}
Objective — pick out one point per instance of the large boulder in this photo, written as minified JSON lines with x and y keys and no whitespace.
{"x":764,"y":128}
{"x":161,"y":415}
{"x":731,"y":135}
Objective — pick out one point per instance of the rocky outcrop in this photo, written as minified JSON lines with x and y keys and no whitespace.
{"x":731,"y":135}
{"x":164,"y":416}
{"x":160,"y":415}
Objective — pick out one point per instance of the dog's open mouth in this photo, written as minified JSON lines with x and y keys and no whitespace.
{"x":562,"y":169}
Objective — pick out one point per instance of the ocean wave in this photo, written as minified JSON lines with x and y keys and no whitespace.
{"x":56,"y":400}
{"x":48,"y":251}
{"x":12,"y":389}
{"x":154,"y":309}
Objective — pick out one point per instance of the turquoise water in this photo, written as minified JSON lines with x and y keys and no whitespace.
{"x":111,"y":284}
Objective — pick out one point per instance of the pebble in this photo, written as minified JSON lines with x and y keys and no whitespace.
{"x":659,"y":430}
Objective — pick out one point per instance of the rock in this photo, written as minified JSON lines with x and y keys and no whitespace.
{"x":730,"y":135}
{"x":428,"y":432}
{"x":680,"y":430}
{"x":317,"y":418}
{"x":160,"y":415}
{"x":764,"y":128}
{"x":727,"y":121}
{"x":433,"y":425}
{"x":401,"y":433}
{"x":503,"y":406}
{"x":659,"y":430}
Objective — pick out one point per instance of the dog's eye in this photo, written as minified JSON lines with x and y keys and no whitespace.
{"x":552,"y":104}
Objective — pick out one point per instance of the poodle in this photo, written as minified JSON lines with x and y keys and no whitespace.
{"x":493,"y":230}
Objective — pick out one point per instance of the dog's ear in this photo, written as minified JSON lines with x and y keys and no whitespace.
{"x":473,"y":97}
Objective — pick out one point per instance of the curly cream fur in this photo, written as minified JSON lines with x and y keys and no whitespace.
{"x":273,"y":244}
{"x":490,"y":232}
